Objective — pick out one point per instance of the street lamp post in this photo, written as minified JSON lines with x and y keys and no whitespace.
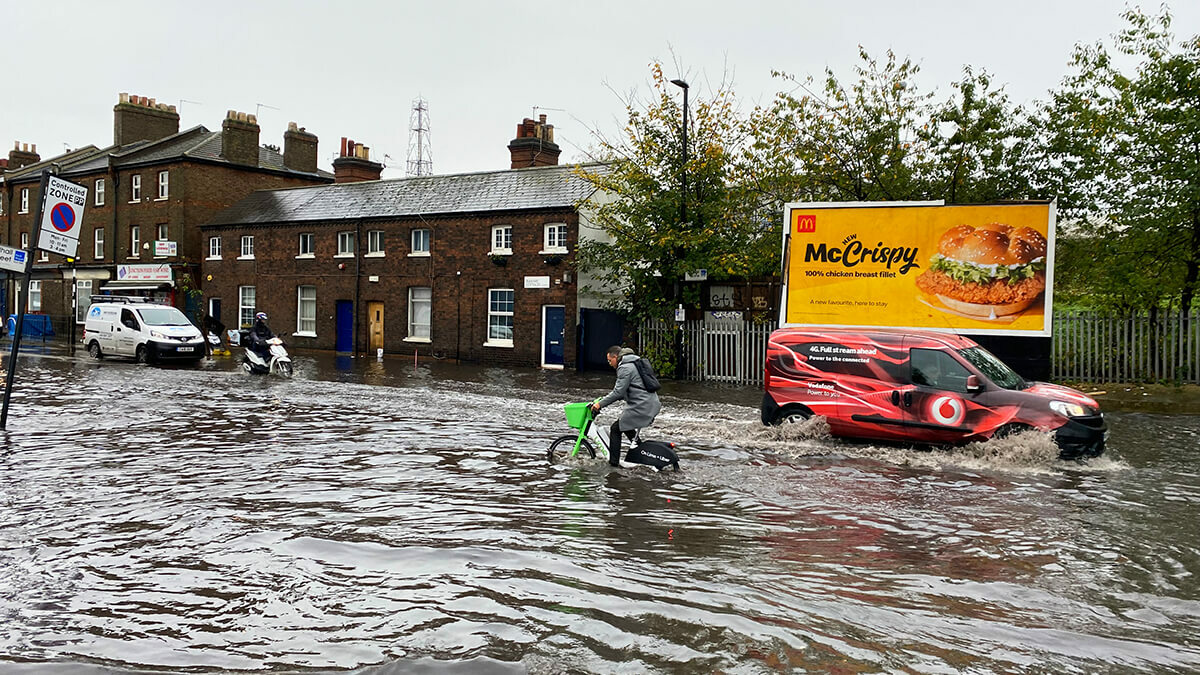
{"x":682,"y":223}
{"x":683,"y":169}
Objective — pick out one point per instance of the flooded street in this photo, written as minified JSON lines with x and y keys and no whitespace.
{"x":384,"y":517}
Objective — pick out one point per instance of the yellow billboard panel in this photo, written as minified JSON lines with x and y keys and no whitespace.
{"x":981,"y":269}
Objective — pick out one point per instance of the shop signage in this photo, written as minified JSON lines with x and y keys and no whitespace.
{"x":160,"y":272}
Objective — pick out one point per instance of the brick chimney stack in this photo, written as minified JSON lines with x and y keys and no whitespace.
{"x":354,"y":164}
{"x":299,"y":149}
{"x":137,"y":118}
{"x":239,"y":138}
{"x":534,"y":144}
{"x":22,"y":155}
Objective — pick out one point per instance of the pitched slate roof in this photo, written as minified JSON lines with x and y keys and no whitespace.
{"x":508,"y":190}
{"x":67,"y":162}
{"x":194,"y":143}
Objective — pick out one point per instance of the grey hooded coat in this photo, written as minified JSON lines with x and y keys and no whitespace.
{"x":641,"y":406}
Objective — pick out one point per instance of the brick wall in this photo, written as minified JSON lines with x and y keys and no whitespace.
{"x":458,"y":271}
{"x":196,"y":192}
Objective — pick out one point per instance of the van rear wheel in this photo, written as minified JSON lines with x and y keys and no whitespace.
{"x":94,"y":350}
{"x":791,"y":416}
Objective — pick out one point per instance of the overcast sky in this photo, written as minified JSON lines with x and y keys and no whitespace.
{"x":354,"y":68}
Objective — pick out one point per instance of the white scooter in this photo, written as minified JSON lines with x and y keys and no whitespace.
{"x":280,"y":363}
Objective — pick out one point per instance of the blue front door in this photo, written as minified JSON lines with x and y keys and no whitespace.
{"x":345,"y":326}
{"x":553,"y":332}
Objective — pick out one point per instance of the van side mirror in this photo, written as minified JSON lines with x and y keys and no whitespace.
{"x":973,"y":384}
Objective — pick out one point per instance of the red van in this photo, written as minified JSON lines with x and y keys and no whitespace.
{"x":918,"y":387}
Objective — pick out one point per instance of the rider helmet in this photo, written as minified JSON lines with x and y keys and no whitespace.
{"x":261,"y":316}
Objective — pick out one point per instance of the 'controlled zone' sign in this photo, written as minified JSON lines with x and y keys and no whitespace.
{"x":62,"y":217}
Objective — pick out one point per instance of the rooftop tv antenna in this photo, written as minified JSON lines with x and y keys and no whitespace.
{"x":420,"y":152}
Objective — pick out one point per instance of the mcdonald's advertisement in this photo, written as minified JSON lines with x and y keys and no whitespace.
{"x":977,"y":269}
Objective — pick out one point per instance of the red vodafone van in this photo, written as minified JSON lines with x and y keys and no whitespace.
{"x":918,"y":387}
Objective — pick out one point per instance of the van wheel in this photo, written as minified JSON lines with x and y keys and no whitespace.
{"x":1011,"y":430}
{"x":94,"y":350}
{"x":791,"y":416}
{"x":143,"y":356}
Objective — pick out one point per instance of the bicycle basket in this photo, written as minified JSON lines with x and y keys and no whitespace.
{"x":577,"y":414}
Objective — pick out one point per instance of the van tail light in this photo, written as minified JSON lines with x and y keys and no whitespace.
{"x":766,"y":378}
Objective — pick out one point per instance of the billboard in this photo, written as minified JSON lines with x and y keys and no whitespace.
{"x":976,"y":269}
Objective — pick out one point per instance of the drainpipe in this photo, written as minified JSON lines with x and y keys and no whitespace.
{"x":357,"y":279}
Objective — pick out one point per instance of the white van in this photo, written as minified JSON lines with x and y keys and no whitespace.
{"x":141,"y":331}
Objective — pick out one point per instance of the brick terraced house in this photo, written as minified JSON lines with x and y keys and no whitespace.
{"x":473,"y":266}
{"x":147,"y":194}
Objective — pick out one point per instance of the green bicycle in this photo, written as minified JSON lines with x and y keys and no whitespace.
{"x":657,"y":455}
{"x":579,"y":418}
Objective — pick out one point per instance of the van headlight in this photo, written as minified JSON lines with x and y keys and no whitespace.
{"x":1067,"y":409}
{"x":157,"y":335}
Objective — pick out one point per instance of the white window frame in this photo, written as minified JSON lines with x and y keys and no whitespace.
{"x":43,"y":256}
{"x":553,"y":243}
{"x":83,"y":299}
{"x":164,"y":184}
{"x":135,"y":188}
{"x":135,"y":241}
{"x":307,"y":238}
{"x":246,"y":252}
{"x":306,"y":321}
{"x":415,"y":328}
{"x":415,"y":241}
{"x":375,"y":244}
{"x":24,"y":241}
{"x":501,"y":240}
{"x":246,"y":311}
{"x":345,"y":244}
{"x":99,"y":198}
{"x":162,"y":232}
{"x":492,"y":300}
{"x":35,"y":296}
{"x":98,"y":243}
{"x":214,"y":248}
{"x":24,"y":201}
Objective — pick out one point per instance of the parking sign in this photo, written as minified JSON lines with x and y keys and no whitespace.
{"x":62,"y":217}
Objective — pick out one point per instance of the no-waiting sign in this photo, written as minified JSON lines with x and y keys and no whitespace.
{"x":62,"y":217}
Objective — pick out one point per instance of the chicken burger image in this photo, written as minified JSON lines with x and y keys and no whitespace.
{"x":989,"y":271}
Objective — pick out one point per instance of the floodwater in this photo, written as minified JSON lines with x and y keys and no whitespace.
{"x":386,"y":517}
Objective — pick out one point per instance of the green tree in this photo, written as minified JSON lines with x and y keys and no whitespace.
{"x":880,"y":138}
{"x":861,"y":144}
{"x":649,"y":248}
{"x":1124,"y":147}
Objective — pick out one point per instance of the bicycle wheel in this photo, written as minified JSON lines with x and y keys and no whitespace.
{"x":561,"y":448}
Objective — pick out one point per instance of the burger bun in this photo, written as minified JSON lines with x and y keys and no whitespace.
{"x":986,"y":311}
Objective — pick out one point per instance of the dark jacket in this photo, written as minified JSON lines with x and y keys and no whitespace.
{"x":259,"y":334}
{"x":641,"y":406}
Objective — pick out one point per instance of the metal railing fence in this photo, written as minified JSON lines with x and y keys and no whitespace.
{"x":1087,"y":346}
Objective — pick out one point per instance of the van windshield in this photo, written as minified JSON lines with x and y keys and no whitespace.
{"x":163,"y":316}
{"x":996,"y":370}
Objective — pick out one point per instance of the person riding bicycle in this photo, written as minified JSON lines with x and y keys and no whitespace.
{"x":641,"y":406}
{"x":260,"y":332}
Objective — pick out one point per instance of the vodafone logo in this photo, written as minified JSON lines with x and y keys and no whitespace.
{"x":947,"y":410}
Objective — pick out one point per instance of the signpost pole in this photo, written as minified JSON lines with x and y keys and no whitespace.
{"x":22,"y":299}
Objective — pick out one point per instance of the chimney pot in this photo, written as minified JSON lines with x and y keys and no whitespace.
{"x":33,"y":148}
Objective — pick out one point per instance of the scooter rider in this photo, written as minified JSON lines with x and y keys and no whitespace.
{"x":641,"y":406}
{"x":259,"y":334}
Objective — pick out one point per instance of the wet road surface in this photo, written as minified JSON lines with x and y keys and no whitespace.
{"x":381,"y":517}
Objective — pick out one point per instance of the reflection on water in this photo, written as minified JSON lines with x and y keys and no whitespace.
{"x":377,"y":514}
